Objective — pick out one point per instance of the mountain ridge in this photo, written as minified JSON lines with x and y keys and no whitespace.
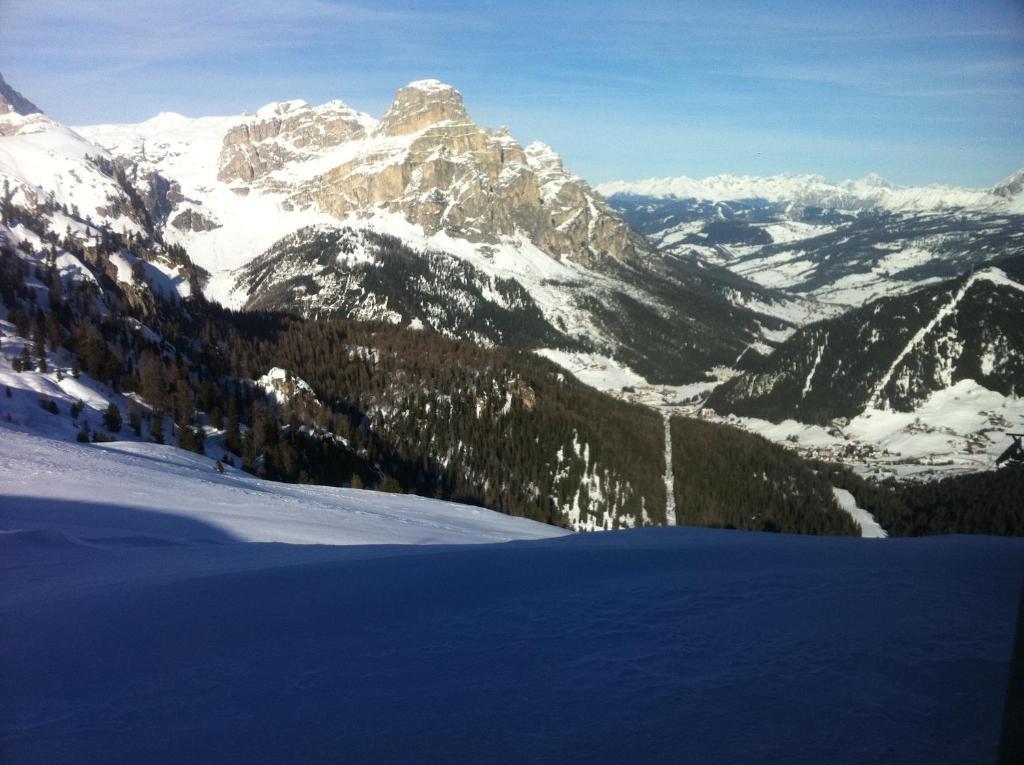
{"x":911,"y":346}
{"x":427,"y":174}
{"x":13,"y":101}
{"x":806,"y":190}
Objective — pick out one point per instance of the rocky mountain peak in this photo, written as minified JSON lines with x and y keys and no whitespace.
{"x":12,"y":101}
{"x":1011,"y":186}
{"x":421,"y":104}
{"x":546,"y":163}
{"x":281,"y":108}
{"x":425,"y":161}
{"x":874,"y":180}
{"x":287,"y":131}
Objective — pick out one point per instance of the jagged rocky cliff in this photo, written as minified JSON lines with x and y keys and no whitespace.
{"x":285,"y":182}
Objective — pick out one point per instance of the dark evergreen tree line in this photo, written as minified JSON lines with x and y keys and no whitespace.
{"x":727,"y":478}
{"x":990,"y":502}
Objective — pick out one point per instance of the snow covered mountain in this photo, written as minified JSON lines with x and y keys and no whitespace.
{"x":522,"y":233}
{"x":801,"y":191}
{"x":870,"y":256}
{"x":834,"y":245}
{"x":362,"y":240}
{"x":424,"y":160}
{"x":907,"y":348}
{"x":83,"y":207}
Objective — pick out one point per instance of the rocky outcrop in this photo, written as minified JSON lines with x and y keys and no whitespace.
{"x":422,"y":104}
{"x":577,"y":214}
{"x":287,"y":132}
{"x":12,"y":101}
{"x":1010,"y":187}
{"x":429,"y":162}
{"x":156,"y":194}
{"x":193,"y":220}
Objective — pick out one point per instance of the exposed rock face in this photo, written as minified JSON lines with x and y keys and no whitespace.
{"x":422,"y":104}
{"x":12,"y":101}
{"x":577,"y":214}
{"x":429,"y":162}
{"x":192,"y":220}
{"x":425,"y":160}
{"x":287,"y":132}
{"x":157,"y":195}
{"x":1011,"y":186}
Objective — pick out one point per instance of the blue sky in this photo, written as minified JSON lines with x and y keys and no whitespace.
{"x":918,"y":91}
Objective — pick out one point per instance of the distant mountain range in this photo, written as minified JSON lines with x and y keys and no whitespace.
{"x":801,"y":191}
{"x":834,"y":244}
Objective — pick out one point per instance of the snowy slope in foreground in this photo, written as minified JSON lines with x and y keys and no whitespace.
{"x":165,"y":495}
{"x":661,"y":645}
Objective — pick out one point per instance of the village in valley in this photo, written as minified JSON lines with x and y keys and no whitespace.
{"x":882,"y":444}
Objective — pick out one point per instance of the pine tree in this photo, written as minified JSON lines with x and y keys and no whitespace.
{"x":233,"y":436}
{"x":390,"y":485}
{"x":6,"y":208}
{"x":39,"y":342}
{"x":156,"y":427}
{"x":135,"y":418}
{"x":112,"y":418}
{"x":54,"y":335}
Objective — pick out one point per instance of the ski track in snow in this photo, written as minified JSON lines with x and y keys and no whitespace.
{"x":869,"y":527}
{"x":814,"y":368}
{"x":876,"y":397}
{"x":670,"y":481}
{"x":990,"y":274}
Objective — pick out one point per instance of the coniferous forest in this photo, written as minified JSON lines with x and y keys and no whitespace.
{"x":991,"y":502}
{"x":727,"y":478}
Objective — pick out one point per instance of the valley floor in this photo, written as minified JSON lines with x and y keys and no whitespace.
{"x":961,"y":429}
{"x":149,"y":612}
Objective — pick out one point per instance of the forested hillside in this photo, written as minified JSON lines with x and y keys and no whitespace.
{"x":386,"y":407}
{"x":335,"y":273}
{"x":727,"y":478}
{"x":989,"y":502}
{"x":893,"y":352}
{"x":499,"y":427}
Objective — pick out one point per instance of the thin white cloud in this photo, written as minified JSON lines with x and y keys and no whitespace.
{"x":126,"y":30}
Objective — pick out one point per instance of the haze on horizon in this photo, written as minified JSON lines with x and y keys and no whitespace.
{"x":918,"y":92}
